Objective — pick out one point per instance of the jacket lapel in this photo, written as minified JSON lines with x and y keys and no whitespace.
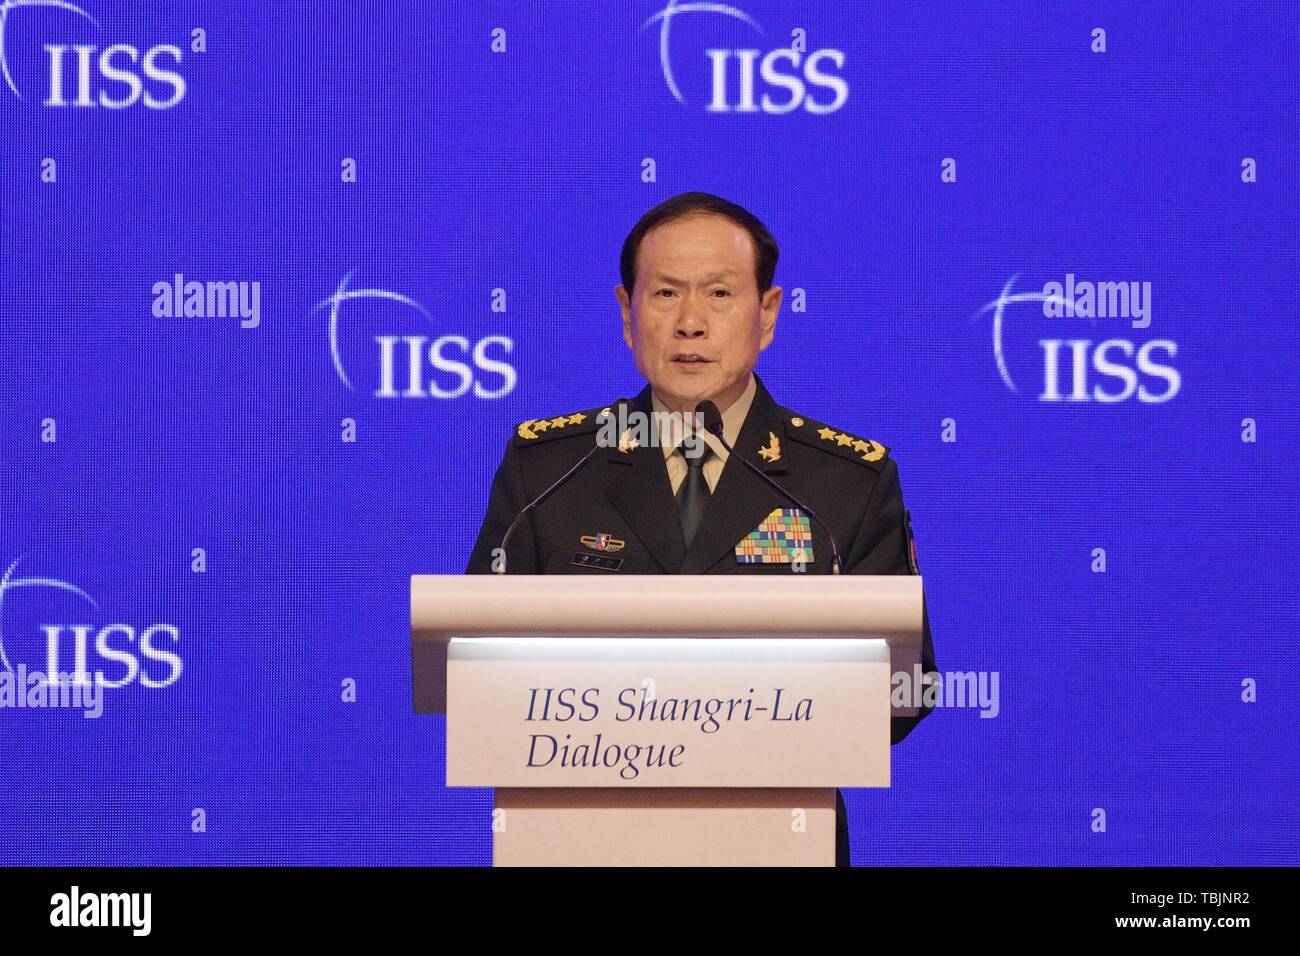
{"x":639,"y":488}
{"x":742,"y":499}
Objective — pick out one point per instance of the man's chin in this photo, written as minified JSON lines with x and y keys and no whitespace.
{"x":685,"y":392}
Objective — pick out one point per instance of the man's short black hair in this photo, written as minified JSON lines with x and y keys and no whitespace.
{"x":699,"y":204}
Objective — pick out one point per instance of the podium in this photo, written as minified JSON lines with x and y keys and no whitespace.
{"x":664,"y":720}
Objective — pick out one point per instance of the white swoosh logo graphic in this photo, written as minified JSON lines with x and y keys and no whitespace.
{"x":343,"y":294}
{"x":672,"y":10}
{"x":6,"y":6}
{"x":999,"y":308}
{"x":9,"y":581}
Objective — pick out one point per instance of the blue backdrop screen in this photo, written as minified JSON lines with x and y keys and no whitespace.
{"x":1045,"y":252}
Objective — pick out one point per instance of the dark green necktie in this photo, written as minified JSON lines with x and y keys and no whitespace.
{"x":693,"y":495}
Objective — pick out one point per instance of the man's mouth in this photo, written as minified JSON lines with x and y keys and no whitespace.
{"x":690,"y":358}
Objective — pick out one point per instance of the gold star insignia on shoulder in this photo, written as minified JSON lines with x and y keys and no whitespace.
{"x":874,"y":453}
{"x":839,"y":442}
{"x":869,"y":450}
{"x":771,"y":451}
{"x":536,"y":429}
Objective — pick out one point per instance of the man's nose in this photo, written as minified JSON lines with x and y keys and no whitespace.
{"x":691,"y":323}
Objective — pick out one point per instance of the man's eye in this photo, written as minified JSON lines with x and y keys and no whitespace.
{"x":721,"y":292}
{"x":664,"y":291}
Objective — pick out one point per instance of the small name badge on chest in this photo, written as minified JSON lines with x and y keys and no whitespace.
{"x":600,"y":561}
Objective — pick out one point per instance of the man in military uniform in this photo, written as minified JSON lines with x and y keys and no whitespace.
{"x":698,"y":307}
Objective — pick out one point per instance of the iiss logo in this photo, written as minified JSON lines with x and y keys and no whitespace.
{"x":131,"y":654}
{"x":1086,"y":369}
{"x":792,"y":70}
{"x":421,"y":365}
{"x":115,"y":76}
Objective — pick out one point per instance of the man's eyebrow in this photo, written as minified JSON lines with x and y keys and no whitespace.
{"x":673,"y":280}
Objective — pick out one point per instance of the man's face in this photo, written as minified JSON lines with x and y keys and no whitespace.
{"x":695,"y":322}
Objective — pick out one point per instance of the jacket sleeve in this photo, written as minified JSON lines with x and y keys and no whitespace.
{"x":883,"y":546}
{"x":507,"y":499}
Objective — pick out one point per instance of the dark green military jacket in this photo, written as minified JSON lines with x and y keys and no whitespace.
{"x":617,"y":515}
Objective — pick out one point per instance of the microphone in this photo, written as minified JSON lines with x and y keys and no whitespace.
{"x":619,"y":411}
{"x":713,"y":425}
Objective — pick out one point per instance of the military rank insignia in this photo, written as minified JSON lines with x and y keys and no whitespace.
{"x":783,"y":537}
{"x":862,"y":450}
{"x":531,"y":429}
{"x":538,"y":430}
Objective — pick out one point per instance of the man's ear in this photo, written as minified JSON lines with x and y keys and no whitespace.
{"x":625,"y":304}
{"x":768,"y":310}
